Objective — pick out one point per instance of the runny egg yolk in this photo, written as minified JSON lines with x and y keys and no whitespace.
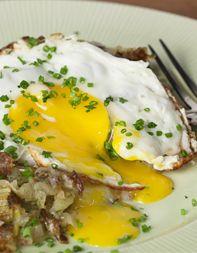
{"x":156,"y":185}
{"x":73,"y":135}
{"x":76,"y":138}
{"x":101,"y":222}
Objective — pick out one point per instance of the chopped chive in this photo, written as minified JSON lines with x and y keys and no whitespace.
{"x":134,"y":222}
{"x":147,"y":109}
{"x":57,"y":76}
{"x":146,"y":228}
{"x":70,"y":82}
{"x":47,"y":49}
{"x":120,"y":183}
{"x":151,"y":125}
{"x":49,"y":56}
{"x":32,"y":42}
{"x":179,"y":127}
{"x":1,"y":145}
{"x":53,"y":49}
{"x":6,"y":120}
{"x":15,"y":70}
{"x":21,"y":60}
{"x":40,"y":139}
{"x":194,"y":202}
{"x":114,"y":251}
{"x":48,"y":95}
{"x":23,"y":84}
{"x":77,"y":248}
{"x":2,"y":135}
{"x":123,"y":130}
{"x":31,"y":112}
{"x":64,"y":70}
{"x":183,"y":153}
{"x":4,"y":98}
{"x":82,"y":80}
{"x":1,"y":74}
{"x":150,"y":133}
{"x":92,"y":105}
{"x":129,"y":145}
{"x":42,"y":80}
{"x":110,"y":150}
{"x":11,"y":150}
{"x":128,"y":134}
{"x":47,"y":154}
{"x":120,"y":123}
{"x":122,"y":100}
{"x":139,"y":124}
{"x":35,"y":123}
{"x":159,"y":133}
{"x":28,"y":95}
{"x":27,"y":173}
{"x":183,"y":211}
{"x":108,"y":100}
{"x":90,"y":85}
{"x":38,"y":62}
{"x":124,"y":239}
{"x":168,"y":135}
{"x":18,"y":139}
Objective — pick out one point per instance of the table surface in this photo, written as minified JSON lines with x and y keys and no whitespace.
{"x":182,"y":7}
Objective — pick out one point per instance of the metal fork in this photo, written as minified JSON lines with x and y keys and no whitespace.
{"x":187,"y":101}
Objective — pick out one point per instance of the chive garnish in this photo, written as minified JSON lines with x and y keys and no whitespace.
{"x":21,"y":60}
{"x":124,"y":239}
{"x":159,"y":133}
{"x":23,"y":84}
{"x":108,"y":100}
{"x":183,"y":211}
{"x":139,"y":124}
{"x":122,"y":100}
{"x":129,"y":145}
{"x":168,"y":135}
{"x":120,"y":123}
{"x":179,"y":127}
{"x":183,"y":153}
{"x":151,"y":125}
{"x":4,"y":98}
{"x":47,"y":154}
{"x":146,"y":228}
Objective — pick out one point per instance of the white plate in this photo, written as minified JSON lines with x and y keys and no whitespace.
{"x":114,"y":24}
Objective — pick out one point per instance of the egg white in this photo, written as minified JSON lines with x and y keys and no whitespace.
{"x":111,"y":76}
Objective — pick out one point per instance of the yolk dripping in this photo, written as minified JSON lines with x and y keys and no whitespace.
{"x":76,"y":137}
{"x":101,"y":222}
{"x":157,"y":186}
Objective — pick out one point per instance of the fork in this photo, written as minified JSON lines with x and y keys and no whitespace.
{"x":186,"y":100}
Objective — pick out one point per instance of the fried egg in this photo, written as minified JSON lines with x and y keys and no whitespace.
{"x":72,"y":94}
{"x":69,"y":105}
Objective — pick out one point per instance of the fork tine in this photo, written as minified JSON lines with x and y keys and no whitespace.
{"x":190,"y":83}
{"x":177,"y":88}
